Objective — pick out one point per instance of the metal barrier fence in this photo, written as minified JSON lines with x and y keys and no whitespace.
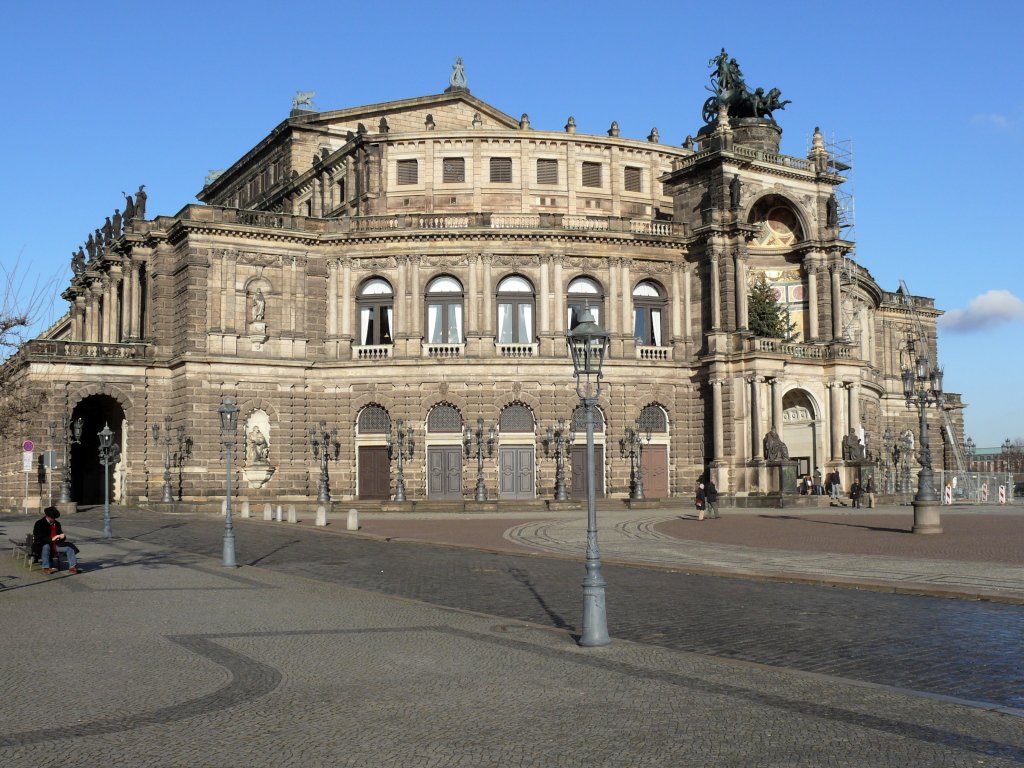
{"x":978,"y":487}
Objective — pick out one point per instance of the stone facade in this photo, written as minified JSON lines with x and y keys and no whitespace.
{"x":422,"y":259}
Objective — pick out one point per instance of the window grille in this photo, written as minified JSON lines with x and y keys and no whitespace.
{"x":547,"y":171}
{"x":374,"y":420}
{"x":453,"y":170}
{"x":444,"y":418}
{"x":579,"y":420}
{"x":408,"y":171}
{"x":591,"y":174}
{"x":516,"y":418}
{"x":632,"y":179}
{"x":501,"y":170}
{"x":653,"y":418}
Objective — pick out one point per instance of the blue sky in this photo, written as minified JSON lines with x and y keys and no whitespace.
{"x":99,"y":98}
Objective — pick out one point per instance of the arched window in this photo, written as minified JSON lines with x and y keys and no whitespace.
{"x":444,"y":311}
{"x":516,"y":418}
{"x":653,"y":419}
{"x":376,"y":312}
{"x":579,"y":420}
{"x":374,"y":420}
{"x":515,"y":311}
{"x":584,"y":292}
{"x":648,"y":313}
{"x":444,"y":418}
{"x":777,"y":224}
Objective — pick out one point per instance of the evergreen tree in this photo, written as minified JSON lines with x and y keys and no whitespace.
{"x":765,"y":314}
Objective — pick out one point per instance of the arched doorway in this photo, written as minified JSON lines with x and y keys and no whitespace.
{"x":444,"y":452}
{"x":516,"y":429}
{"x":799,"y":430}
{"x":87,"y":484}
{"x":373,"y":462}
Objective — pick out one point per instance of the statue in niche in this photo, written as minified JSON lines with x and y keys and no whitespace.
{"x":853,"y":448}
{"x":735,"y":191}
{"x":257,"y":449}
{"x":831,"y":212}
{"x":259,"y":306}
{"x":774,"y":448}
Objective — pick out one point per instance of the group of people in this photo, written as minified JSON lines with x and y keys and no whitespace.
{"x":102,"y":237}
{"x":707,"y":500}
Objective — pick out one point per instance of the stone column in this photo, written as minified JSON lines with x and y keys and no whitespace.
{"x":346,"y":298}
{"x":677,"y":304}
{"x":415,"y":320}
{"x":627,"y":297}
{"x":811,"y":268}
{"x":558,"y":287}
{"x":126,"y":300}
{"x":110,"y":309}
{"x":613,"y":296}
{"x":741,"y":289}
{"x":332,"y":298}
{"x":717,"y":418}
{"x":488,"y":289}
{"x":687,"y":302}
{"x":403,"y":312}
{"x":755,"y":418}
{"x":472,"y":319}
{"x":835,"y":272}
{"x":544,"y":305}
{"x":92,"y":317}
{"x":777,"y":405}
{"x":854,"y":395}
{"x":835,"y":419}
{"x":716,"y":295}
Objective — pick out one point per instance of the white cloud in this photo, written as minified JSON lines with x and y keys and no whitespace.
{"x":985,"y":311}
{"x":992,"y":120}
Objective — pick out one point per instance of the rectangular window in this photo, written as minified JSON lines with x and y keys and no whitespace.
{"x":501,"y":170}
{"x":632,"y":177}
{"x":341,"y":191}
{"x":453,"y":170}
{"x":408,"y":171}
{"x":547,"y":171}
{"x":591,"y":174}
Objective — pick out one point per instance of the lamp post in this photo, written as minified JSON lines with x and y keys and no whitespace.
{"x":556,"y":436}
{"x":72,"y":436}
{"x":588,"y":345}
{"x":922,"y":387}
{"x":906,"y":446}
{"x":970,"y":447}
{"x":110,"y":454}
{"x":325,"y":447}
{"x":482,"y":439}
{"x":228,"y":427}
{"x":632,"y":445}
{"x":181,"y":455}
{"x":167,"y":496}
{"x":888,"y":446}
{"x":400,"y":449}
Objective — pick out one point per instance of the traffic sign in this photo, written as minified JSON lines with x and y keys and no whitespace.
{"x":28,"y":446}
{"x":26,"y":459}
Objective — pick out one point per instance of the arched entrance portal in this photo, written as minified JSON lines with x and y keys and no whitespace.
{"x":799,"y":430}
{"x":96,"y":412}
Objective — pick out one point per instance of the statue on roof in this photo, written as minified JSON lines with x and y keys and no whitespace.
{"x":303,"y":100}
{"x":457,"y":79}
{"x":78,"y":261}
{"x":140,"y":202}
{"x":129,"y":207}
{"x":730,"y":91}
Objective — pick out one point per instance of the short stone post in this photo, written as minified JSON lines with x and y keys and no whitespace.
{"x":292,"y":515}
{"x":224,"y":508}
{"x":246,"y":512}
{"x":353,"y":519}
{"x":321,"y":515}
{"x":268,"y":513}
{"x":280,"y":513}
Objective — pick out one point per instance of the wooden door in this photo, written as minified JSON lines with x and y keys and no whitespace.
{"x":444,"y":472}
{"x":374,"y":472}
{"x":516,"y":480}
{"x":655,"y":463}
{"x":578,"y":490}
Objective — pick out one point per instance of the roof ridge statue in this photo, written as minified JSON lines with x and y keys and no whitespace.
{"x":730,"y":90}
{"x":457,"y":79}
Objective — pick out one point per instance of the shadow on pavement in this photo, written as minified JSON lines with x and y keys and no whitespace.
{"x":832,"y":522}
{"x":524,"y":578}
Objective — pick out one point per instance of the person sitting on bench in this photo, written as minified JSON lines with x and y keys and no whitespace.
{"x":49,"y":542}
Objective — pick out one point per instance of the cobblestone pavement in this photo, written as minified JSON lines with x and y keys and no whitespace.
{"x":160,"y":657}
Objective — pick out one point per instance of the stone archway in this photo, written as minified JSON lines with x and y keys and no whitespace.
{"x":800,"y":430}
{"x":87,"y":483}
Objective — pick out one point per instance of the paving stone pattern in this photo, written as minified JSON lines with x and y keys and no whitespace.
{"x":970,"y":650}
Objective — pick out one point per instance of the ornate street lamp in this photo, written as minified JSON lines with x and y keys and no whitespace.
{"x":556,"y":437}
{"x":922,"y":387}
{"x":183,"y":454}
{"x":482,"y":439}
{"x":906,"y":446}
{"x":72,"y":436}
{"x":325,"y":447}
{"x":888,"y":459}
{"x":632,"y":446}
{"x":400,"y":449}
{"x":167,"y":497}
{"x":228,"y":427}
{"x":110,"y":454}
{"x":588,"y":345}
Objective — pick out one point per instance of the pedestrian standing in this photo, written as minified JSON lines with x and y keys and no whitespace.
{"x":834,"y":485}
{"x":711,"y":497}
{"x":869,"y":491}
{"x":701,"y":500}
{"x":855,"y":492}
{"x":819,"y":482}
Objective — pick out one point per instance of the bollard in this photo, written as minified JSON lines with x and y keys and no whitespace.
{"x":321,"y":515}
{"x":224,"y":508}
{"x":353,"y":520}
{"x":268,"y":513}
{"x":292,"y":516}
{"x":280,"y":513}
{"x":246,"y":513}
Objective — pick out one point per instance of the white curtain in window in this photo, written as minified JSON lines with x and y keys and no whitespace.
{"x":505,"y":323}
{"x":434,"y":323}
{"x":656,"y":326}
{"x":385,"y":332}
{"x":638,"y":326}
{"x":365,"y":316}
{"x":454,"y":323}
{"x":525,"y":323}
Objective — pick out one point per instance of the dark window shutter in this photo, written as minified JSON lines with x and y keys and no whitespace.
{"x":408,"y":171}
{"x":547,"y":171}
{"x":453,"y":170}
{"x":501,"y":170}
{"x":591,"y":174}
{"x":632,"y":179}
